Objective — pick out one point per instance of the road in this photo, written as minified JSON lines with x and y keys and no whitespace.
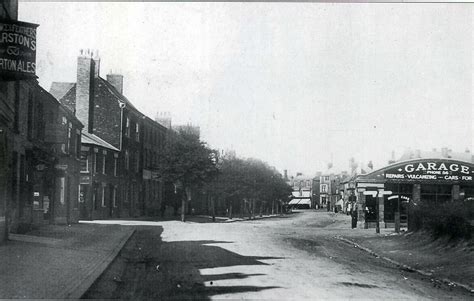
{"x":289,"y":258}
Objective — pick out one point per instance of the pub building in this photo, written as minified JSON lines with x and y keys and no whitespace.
{"x":391,"y":189}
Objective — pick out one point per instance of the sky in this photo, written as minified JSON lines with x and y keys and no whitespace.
{"x":298,"y":85}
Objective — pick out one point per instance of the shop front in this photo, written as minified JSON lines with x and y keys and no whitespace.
{"x":387,"y":194}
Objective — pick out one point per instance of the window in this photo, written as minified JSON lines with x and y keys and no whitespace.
{"x":78,"y":143}
{"x":436,"y":193}
{"x":39,"y":126}
{"x":127,"y":160}
{"x":62,"y":192}
{"x":16,"y":121}
{"x":137,"y":132}
{"x":114,"y":196}
{"x":95,"y":196}
{"x":324,"y":188}
{"x":69,"y":134}
{"x":103,"y":195}
{"x":104,"y":155}
{"x":127,"y":127}
{"x":81,"y":194}
{"x":115,"y":166}
{"x":95,"y":162}
{"x":137,"y":161}
{"x":29,"y":129}
{"x":84,"y":162}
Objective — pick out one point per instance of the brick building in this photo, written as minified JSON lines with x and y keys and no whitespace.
{"x":108,"y":115}
{"x":99,"y":179}
{"x":153,"y":140}
{"x":43,"y":164}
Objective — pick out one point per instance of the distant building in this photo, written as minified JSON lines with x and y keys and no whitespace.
{"x":188,"y":128}
{"x":302,"y":191}
{"x":316,"y":191}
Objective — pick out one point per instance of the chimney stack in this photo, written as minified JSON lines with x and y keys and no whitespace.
{"x":117,"y":81}
{"x":370,"y":165}
{"x":418,"y":153}
{"x":9,"y":10}
{"x":444,"y":152}
{"x":164,"y":118}
{"x":86,"y":68}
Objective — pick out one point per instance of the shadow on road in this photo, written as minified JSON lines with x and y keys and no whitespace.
{"x":149,"y":268}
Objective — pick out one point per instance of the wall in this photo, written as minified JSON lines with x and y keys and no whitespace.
{"x":107,"y":114}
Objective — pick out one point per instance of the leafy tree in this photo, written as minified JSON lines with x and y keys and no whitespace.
{"x":246,"y":182}
{"x":186,"y":162}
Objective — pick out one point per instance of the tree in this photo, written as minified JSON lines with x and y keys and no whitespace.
{"x":248,"y":179}
{"x":186,"y":163}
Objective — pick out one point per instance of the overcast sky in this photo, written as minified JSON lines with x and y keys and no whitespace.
{"x":294,"y":84}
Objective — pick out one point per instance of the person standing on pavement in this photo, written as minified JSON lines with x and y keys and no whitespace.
{"x":354,"y":216}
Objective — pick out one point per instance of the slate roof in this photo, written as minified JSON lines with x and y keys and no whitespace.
{"x":421,"y":154}
{"x":88,"y":138}
{"x":105,"y":84}
{"x":59,"y":89}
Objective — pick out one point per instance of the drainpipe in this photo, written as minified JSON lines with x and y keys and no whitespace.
{"x":122,"y":106}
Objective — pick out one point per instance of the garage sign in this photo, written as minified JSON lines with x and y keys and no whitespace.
{"x":431,"y":170}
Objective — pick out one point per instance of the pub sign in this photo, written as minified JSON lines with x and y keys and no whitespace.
{"x":432,"y":170}
{"x":17,"y":50}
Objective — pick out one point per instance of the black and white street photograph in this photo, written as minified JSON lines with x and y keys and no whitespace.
{"x":260,"y":150}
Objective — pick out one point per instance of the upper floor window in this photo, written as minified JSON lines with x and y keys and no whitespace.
{"x":30,"y":116}
{"x":127,"y":160}
{"x":96,"y":161}
{"x":69,"y":134}
{"x":78,"y":143}
{"x":115,"y":166}
{"x":137,"y":132}
{"x":104,"y":156}
{"x":16,"y":121}
{"x":137,"y":161}
{"x":84,"y":162}
{"x":127,"y":127}
{"x":324,"y":188}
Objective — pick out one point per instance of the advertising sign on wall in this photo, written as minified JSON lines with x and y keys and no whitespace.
{"x":17,"y":50}
{"x":439,"y":170}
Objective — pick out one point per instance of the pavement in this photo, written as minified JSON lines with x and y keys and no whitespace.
{"x":58,"y":261}
{"x":441,"y":260}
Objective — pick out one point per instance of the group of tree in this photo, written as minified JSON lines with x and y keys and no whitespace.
{"x":247,"y":186}
{"x":193,"y":172}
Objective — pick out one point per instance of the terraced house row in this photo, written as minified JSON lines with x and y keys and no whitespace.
{"x":120,"y":145}
{"x":79,"y":151}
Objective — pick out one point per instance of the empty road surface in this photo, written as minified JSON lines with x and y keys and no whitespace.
{"x":295,"y":257}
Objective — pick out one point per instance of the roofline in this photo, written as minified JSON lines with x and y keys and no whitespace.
{"x":366,"y":176}
{"x":104,"y":145}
